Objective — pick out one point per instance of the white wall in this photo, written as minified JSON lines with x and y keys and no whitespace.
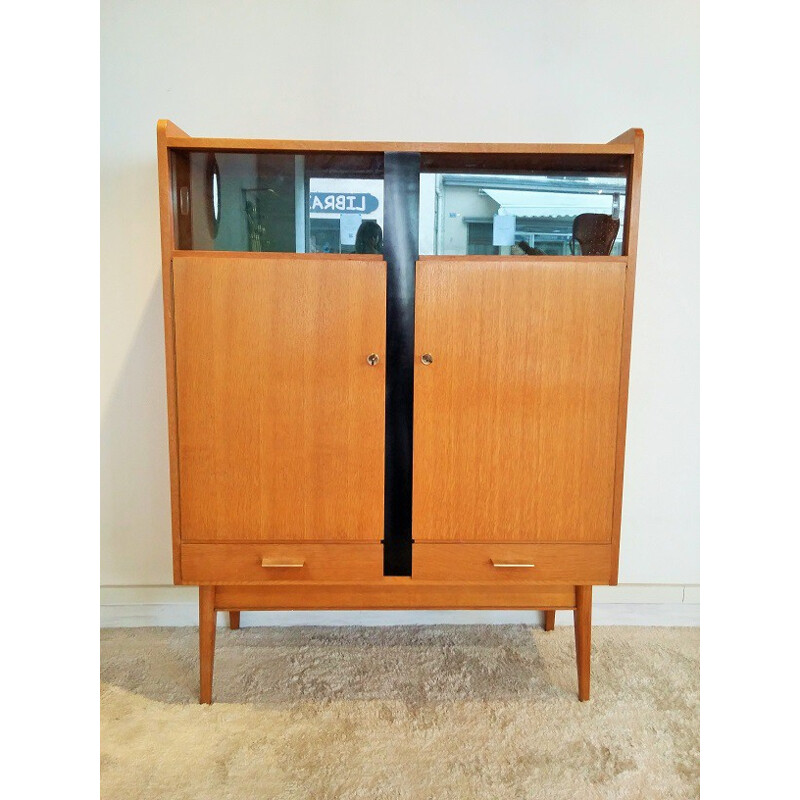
{"x":505,"y":70}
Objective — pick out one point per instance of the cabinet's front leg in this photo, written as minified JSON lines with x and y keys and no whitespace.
{"x":208,"y":632}
{"x":583,"y":638}
{"x":549,"y":620}
{"x":234,"y":620}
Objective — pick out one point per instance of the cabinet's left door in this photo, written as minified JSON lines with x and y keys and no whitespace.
{"x":280,"y":396}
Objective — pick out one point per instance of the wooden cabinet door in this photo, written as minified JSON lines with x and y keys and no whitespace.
{"x":280,"y":415}
{"x":515,"y":418}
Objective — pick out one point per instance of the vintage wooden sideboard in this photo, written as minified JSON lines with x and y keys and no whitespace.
{"x":397,"y":373}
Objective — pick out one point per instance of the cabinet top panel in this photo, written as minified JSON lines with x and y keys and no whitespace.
{"x":177,"y":139}
{"x":293,"y":145}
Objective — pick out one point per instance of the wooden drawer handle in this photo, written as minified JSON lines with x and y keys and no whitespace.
{"x":506,"y":564}
{"x":266,"y":562}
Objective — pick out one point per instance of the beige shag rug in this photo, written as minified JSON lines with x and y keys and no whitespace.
{"x":429,"y":713}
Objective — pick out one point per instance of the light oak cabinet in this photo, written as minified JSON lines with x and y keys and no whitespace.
{"x":430,"y":416}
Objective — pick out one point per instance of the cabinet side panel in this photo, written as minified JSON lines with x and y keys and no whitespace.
{"x":165,"y":200}
{"x":632,"y":243}
{"x":515,"y":419}
{"x":281,"y":417}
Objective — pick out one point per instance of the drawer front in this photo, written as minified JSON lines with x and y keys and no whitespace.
{"x":275,"y":563}
{"x":512,"y":563}
{"x":393,"y":595}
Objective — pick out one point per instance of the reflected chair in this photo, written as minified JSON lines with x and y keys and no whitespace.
{"x":595,"y":233}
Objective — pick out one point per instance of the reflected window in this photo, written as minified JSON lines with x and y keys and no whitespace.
{"x":500,"y":214}
{"x":213,"y":195}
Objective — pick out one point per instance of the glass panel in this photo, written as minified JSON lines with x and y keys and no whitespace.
{"x":279,"y":202}
{"x":345,"y":215}
{"x":518,"y":214}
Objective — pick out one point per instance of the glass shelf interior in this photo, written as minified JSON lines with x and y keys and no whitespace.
{"x":318,"y":202}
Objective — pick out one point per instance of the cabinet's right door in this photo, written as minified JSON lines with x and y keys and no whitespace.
{"x":515,"y":416}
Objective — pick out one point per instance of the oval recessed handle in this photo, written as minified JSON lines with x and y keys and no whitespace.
{"x":267,"y":562}
{"x":373,"y":359}
{"x":509,"y":564}
{"x":426,"y":359}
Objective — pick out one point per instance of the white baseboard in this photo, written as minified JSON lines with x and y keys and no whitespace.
{"x":627,"y":604}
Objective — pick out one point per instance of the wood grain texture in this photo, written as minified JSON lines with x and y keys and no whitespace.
{"x":472,"y":563}
{"x":549,"y":620}
{"x":260,"y":256}
{"x":281,"y":418}
{"x":166,"y":209}
{"x":403,"y":593}
{"x":632,"y":244}
{"x":171,"y":130}
{"x":583,"y":638}
{"x":303,"y":145}
{"x":524,"y":259}
{"x":208,"y":634}
{"x":515,"y":421}
{"x":235,"y":620}
{"x":242,"y":563}
{"x":628,"y":137}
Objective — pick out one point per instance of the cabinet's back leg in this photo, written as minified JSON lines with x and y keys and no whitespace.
{"x":583,"y":638}
{"x":208,"y":632}
{"x":549,"y":620}
{"x":234,"y":620}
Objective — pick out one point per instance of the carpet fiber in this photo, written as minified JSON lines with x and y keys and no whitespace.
{"x":429,"y":713}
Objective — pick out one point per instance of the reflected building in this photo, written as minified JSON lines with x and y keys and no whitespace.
{"x":461,"y":211}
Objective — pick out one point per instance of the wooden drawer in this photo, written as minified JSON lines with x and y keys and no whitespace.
{"x":502,"y":562}
{"x":271,"y":563}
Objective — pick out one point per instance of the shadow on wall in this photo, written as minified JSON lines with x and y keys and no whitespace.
{"x":135,"y":520}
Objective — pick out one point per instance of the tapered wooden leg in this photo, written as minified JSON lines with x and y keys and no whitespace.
{"x":208,"y":632}
{"x":234,"y":620}
{"x":583,"y":638}
{"x":549,"y":620}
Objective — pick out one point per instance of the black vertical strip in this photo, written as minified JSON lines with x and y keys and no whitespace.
{"x":401,"y":250}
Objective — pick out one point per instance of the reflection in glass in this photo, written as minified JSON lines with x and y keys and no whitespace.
{"x":212,"y":187}
{"x":333,"y":202}
{"x":339,"y":207}
{"x":496,"y":214}
{"x":278,"y":202}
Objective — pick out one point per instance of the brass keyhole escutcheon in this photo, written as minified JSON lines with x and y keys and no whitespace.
{"x":426,"y":359}
{"x":372,"y":359}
